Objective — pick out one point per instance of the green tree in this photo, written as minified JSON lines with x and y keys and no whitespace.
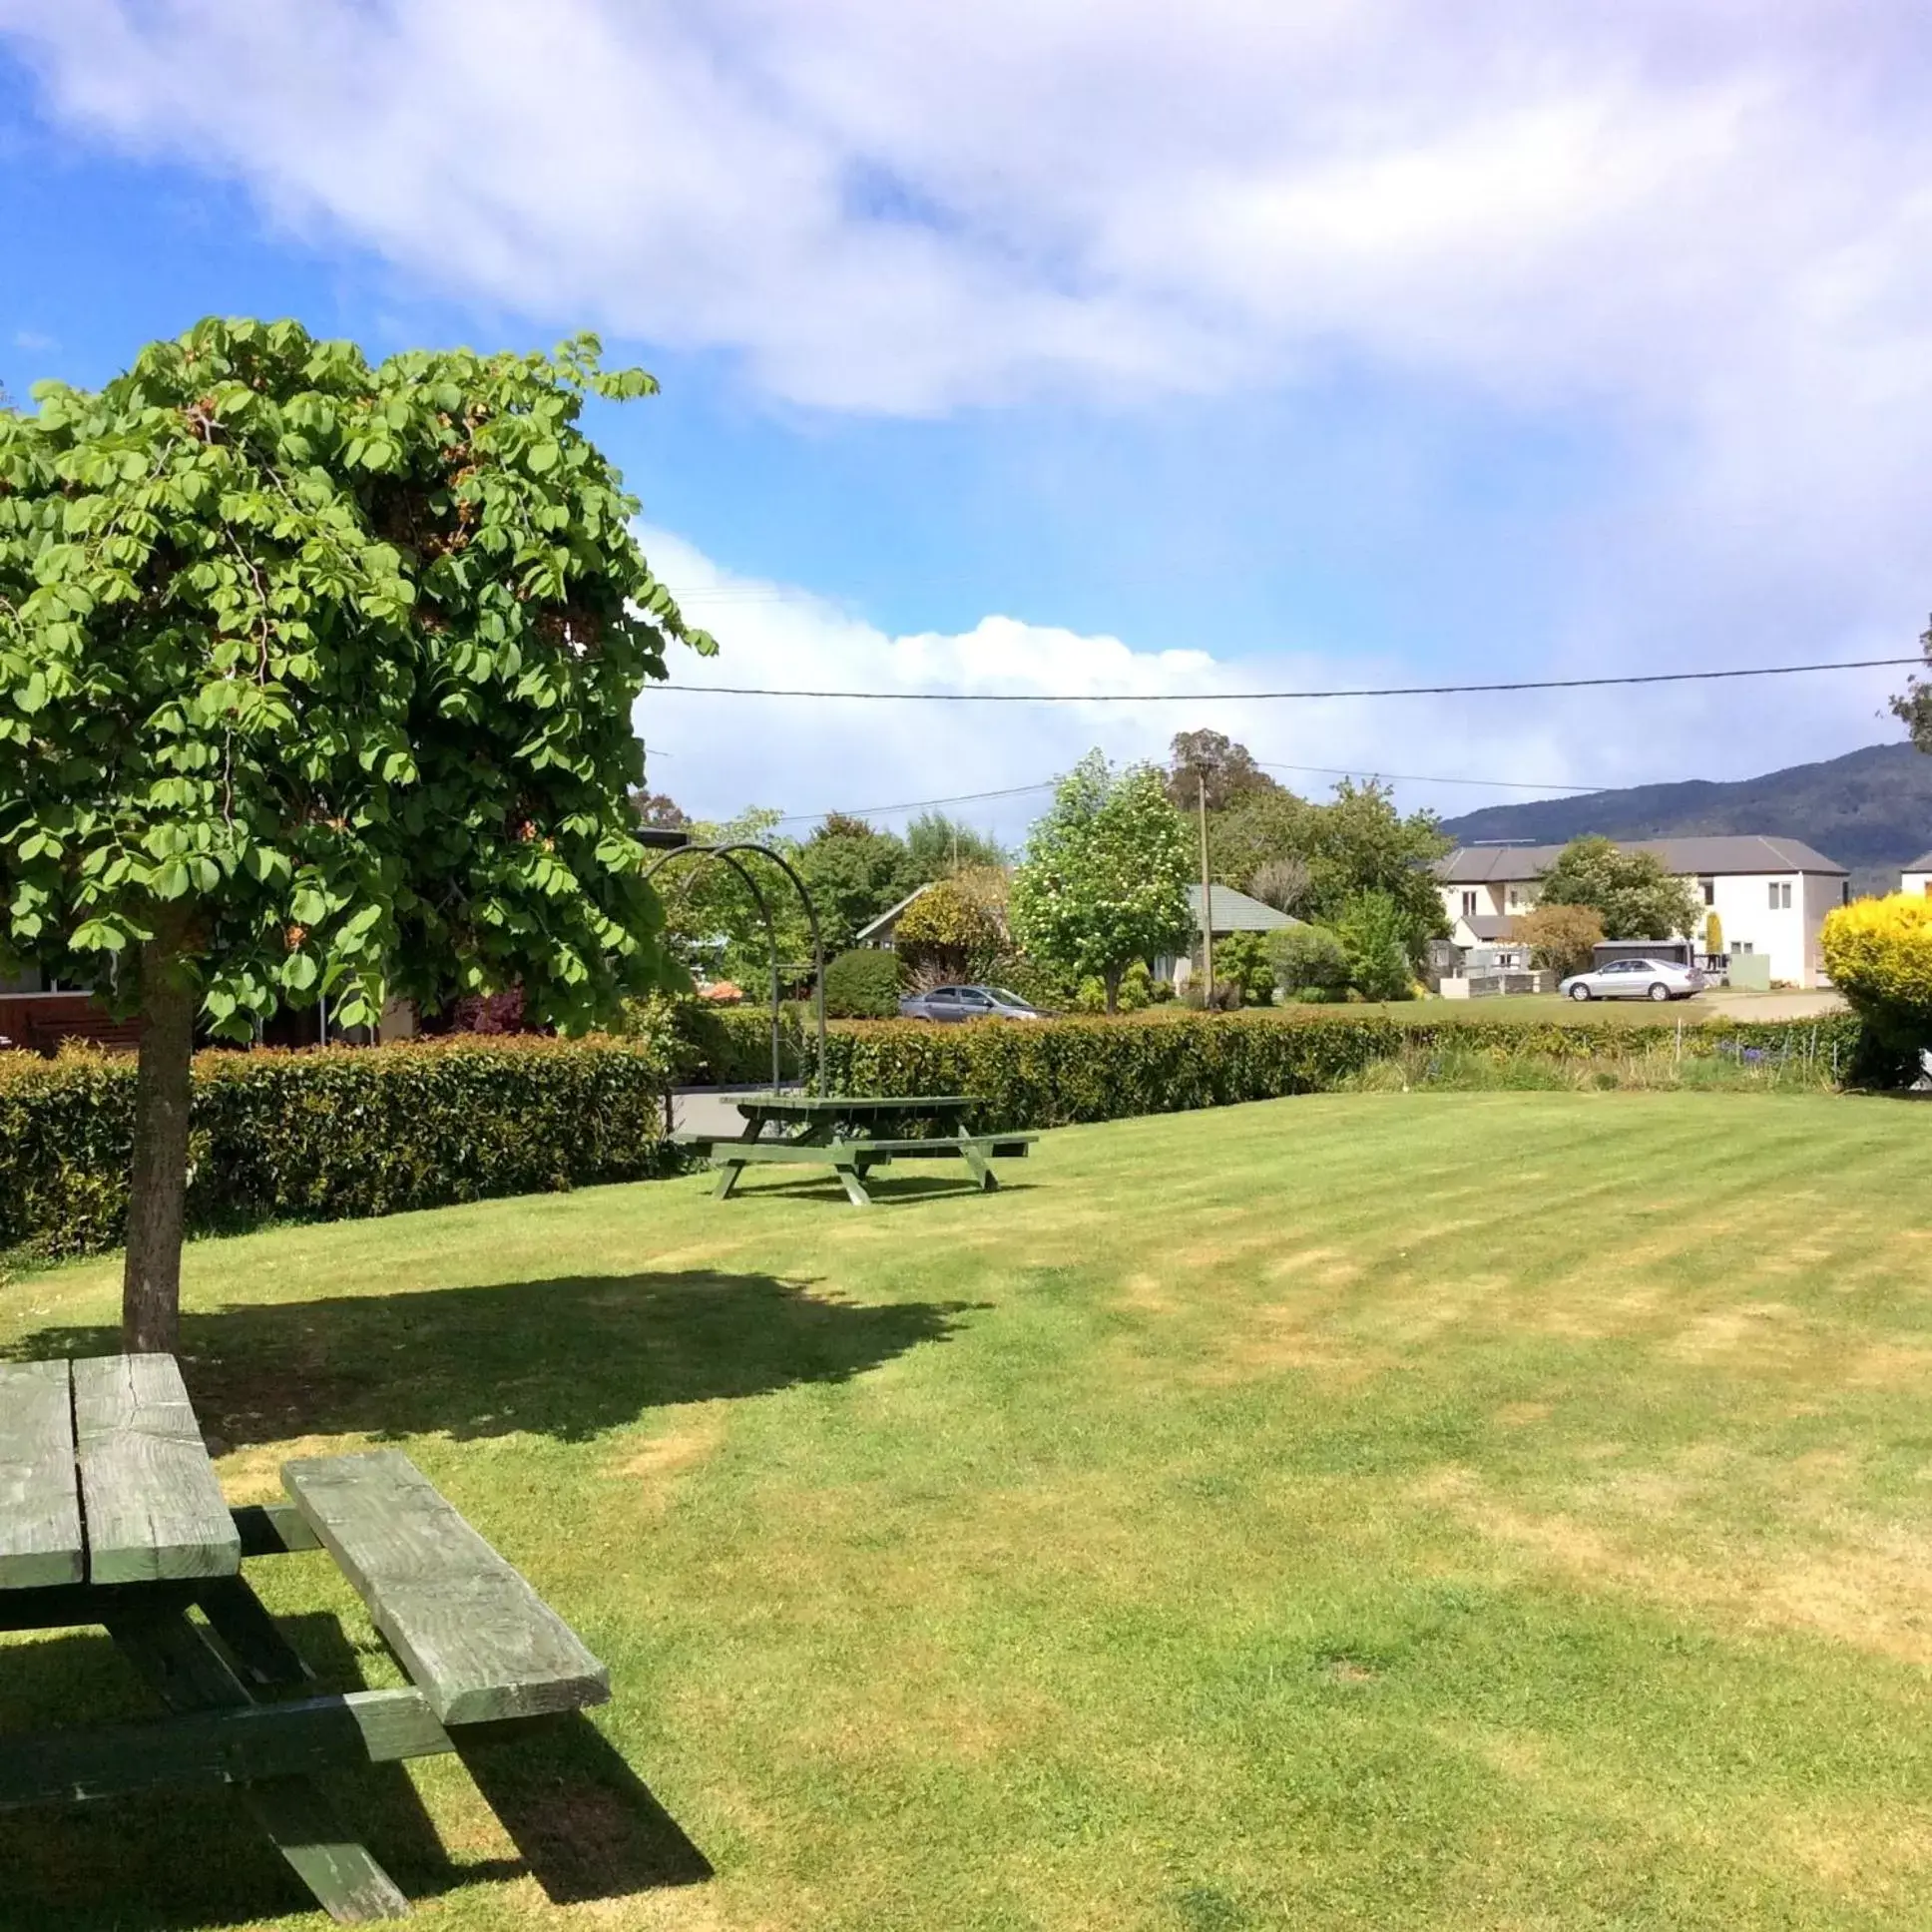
{"x":1242,"y":961}
{"x":1314,"y":859}
{"x":316,"y":679}
{"x":854,"y":872}
{"x":1105,"y":875}
{"x":1211,"y":763}
{"x":1374,"y":929}
{"x":1629,"y":890}
{"x":938,"y":846}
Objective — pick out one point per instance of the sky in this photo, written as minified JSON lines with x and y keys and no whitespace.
{"x":1036,"y":346}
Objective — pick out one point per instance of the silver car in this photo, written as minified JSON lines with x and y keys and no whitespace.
{"x":968,"y":1003}
{"x":1634,"y":979}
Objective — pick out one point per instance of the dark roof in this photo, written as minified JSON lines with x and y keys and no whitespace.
{"x":1490,"y":927}
{"x":1236,"y":912}
{"x":1688,"y":857}
{"x":1923,"y":863}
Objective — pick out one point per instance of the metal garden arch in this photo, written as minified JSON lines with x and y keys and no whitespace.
{"x":729,"y":853}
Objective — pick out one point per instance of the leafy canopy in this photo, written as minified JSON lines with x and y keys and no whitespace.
{"x":1629,"y":890}
{"x":1106,"y":874}
{"x":1561,"y":938}
{"x":324,"y":674}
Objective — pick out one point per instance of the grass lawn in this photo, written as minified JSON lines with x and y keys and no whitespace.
{"x":1441,"y":1510}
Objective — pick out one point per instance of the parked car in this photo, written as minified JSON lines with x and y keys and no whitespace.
{"x":968,"y":1003}
{"x":1636,"y":979}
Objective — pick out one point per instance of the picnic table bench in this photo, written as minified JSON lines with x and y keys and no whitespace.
{"x":852,"y":1135}
{"x":111,"y":1514}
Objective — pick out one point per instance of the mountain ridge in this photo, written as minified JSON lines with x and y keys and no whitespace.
{"x":1871,"y":811}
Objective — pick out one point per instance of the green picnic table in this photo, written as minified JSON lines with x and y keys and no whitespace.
{"x":854,"y":1133}
{"x":111,"y":1514}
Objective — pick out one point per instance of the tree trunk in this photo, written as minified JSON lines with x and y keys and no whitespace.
{"x":1110,"y":979}
{"x":151,"y":1285}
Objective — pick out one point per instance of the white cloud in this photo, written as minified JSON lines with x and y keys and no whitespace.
{"x":718,"y":753}
{"x":1703,"y":228}
{"x":909,"y":209}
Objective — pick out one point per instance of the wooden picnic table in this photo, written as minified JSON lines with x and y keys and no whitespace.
{"x":854,"y":1133}
{"x":111,"y":1514}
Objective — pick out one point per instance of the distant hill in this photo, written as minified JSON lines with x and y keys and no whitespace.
{"x":1872,"y":810}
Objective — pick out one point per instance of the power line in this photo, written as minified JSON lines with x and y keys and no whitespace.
{"x":1047,"y":784}
{"x":1252,"y":697}
{"x":1412,"y":778}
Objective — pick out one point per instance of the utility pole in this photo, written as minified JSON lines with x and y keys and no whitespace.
{"x":1206,"y":901}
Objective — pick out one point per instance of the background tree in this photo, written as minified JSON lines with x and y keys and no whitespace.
{"x":1211,"y":759}
{"x":938,"y":846}
{"x":854,"y":872}
{"x":1283,"y":883}
{"x":1561,"y":938}
{"x":1241,"y":966}
{"x":1310,"y":963}
{"x":1105,"y":875}
{"x":1374,"y":929}
{"x":1914,"y":705}
{"x":713,"y":922}
{"x":658,"y":811}
{"x":318,"y":680}
{"x":948,"y":933}
{"x":1629,"y":890}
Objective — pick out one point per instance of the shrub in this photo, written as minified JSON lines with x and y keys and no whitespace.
{"x":335,"y":1134}
{"x":1561,"y":938}
{"x":1242,"y":959}
{"x":1374,"y":931}
{"x":1879,"y":955}
{"x":1137,"y":988}
{"x":1309,"y":962}
{"x":949,"y":928}
{"x":863,"y":984}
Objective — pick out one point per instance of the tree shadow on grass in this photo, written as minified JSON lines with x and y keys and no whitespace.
{"x":583,"y":1824}
{"x":568,"y":1358}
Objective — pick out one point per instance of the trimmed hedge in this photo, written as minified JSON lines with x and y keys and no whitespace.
{"x":1052,"y":1073}
{"x":864,"y":984}
{"x":331,"y":1135}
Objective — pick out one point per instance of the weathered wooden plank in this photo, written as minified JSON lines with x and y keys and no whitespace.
{"x":40,"y":1503}
{"x":152,"y":1504}
{"x":471,"y":1633}
{"x":232,"y":1746}
{"x":189,"y":1676}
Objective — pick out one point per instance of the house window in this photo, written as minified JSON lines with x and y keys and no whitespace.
{"x":1709,"y":887}
{"x":1740,"y":946}
{"x":1469,"y":906}
{"x":1781,"y":895}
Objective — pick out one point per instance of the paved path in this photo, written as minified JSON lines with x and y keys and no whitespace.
{"x":1774,"y":1006}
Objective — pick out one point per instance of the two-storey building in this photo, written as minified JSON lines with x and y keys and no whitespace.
{"x":1768,"y":895}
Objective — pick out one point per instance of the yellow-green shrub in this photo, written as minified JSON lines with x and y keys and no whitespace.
{"x":1879,"y":954}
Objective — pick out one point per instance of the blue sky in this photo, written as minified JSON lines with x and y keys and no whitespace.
{"x":1015,"y":346}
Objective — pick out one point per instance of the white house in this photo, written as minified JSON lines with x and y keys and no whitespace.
{"x":1770,"y":895}
{"x":1917,"y":877}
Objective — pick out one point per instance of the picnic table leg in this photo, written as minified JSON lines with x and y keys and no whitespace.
{"x":852,"y":1179}
{"x":729,"y":1173}
{"x":981,"y":1170}
{"x":188,"y":1674}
